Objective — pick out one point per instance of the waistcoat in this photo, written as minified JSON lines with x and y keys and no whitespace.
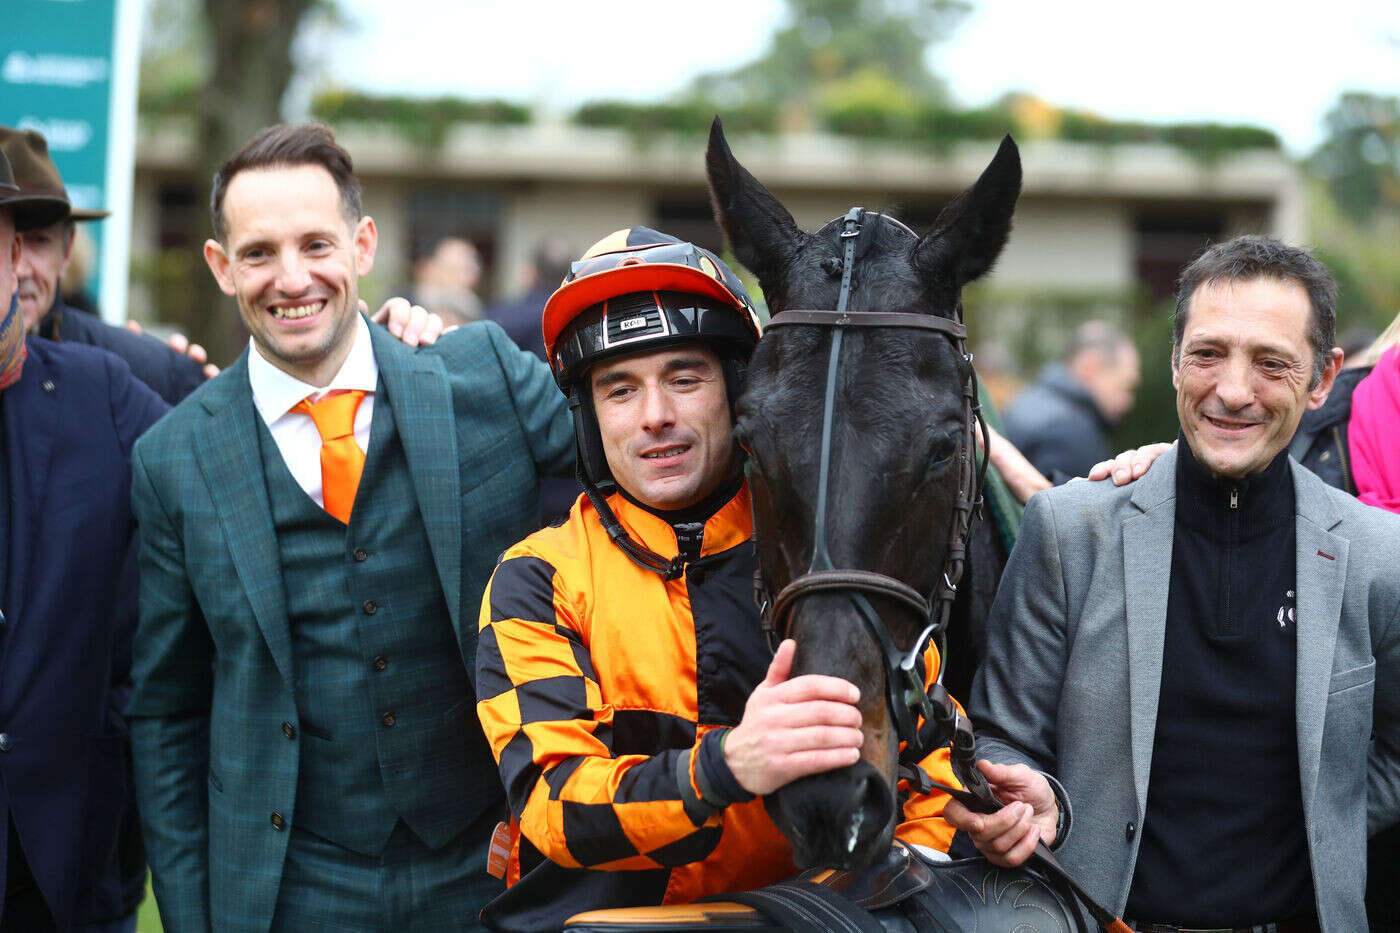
{"x":381,"y":690}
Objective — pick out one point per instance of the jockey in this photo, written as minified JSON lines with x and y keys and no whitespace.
{"x":624,"y":681}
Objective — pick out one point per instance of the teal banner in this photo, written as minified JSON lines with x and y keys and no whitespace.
{"x":60,"y":61}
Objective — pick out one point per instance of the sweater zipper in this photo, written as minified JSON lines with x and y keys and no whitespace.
{"x":1227,"y":627}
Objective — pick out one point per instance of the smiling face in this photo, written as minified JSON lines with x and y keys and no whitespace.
{"x":293,"y":261}
{"x":1243,"y":372}
{"x":664,"y":419}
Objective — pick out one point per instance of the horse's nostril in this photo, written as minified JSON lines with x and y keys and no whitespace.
{"x":876,"y":800}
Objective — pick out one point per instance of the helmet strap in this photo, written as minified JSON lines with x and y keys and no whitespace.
{"x":592,"y":461}
{"x":640,"y":554}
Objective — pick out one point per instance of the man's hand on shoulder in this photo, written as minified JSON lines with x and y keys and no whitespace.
{"x":1130,"y":464}
{"x":1031,"y":815}
{"x":793,"y":727}
{"x":412,"y":324}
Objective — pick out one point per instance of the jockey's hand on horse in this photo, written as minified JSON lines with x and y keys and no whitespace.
{"x":1008,"y":837}
{"x":793,"y":727}
{"x":410,"y":323}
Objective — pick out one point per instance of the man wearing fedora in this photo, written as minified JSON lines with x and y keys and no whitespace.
{"x":46,"y":253}
{"x":69,"y":415}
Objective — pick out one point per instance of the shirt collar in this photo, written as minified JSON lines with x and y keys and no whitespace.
{"x":275,"y":392}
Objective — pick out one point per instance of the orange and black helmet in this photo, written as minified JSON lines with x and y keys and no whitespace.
{"x":637,"y":290}
{"x":634,"y":291}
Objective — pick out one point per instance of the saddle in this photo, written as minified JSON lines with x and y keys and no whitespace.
{"x":901,"y":894}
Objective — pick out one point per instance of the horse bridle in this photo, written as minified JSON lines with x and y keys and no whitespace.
{"x":904,"y":671}
{"x":944,"y":722}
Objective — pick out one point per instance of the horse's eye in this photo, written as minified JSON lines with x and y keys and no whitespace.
{"x":943,"y":448}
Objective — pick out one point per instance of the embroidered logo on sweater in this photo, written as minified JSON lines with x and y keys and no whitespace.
{"x":1287,"y":613}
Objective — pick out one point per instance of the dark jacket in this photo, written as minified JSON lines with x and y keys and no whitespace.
{"x":1057,"y":425}
{"x":1320,"y":443}
{"x":170,"y":375}
{"x":69,"y":612}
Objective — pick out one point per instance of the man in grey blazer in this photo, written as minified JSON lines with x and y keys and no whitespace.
{"x":1208,"y":660}
{"x":317,"y":525}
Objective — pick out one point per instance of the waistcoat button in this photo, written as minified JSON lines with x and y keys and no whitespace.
{"x":277,"y":821}
{"x":380,"y":664}
{"x":1132,"y":831}
{"x":388,"y":719}
{"x":371,"y":607}
{"x":360,"y":554}
{"x":289,"y":730}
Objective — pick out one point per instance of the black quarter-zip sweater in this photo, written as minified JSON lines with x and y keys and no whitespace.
{"x":1223,"y":841}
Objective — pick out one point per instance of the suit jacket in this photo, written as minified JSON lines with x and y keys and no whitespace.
{"x":170,"y":375}
{"x":478,"y":419}
{"x":70,"y":610}
{"x":1074,"y":666}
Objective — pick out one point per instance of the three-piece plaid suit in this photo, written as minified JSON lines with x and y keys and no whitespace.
{"x":303,"y":686}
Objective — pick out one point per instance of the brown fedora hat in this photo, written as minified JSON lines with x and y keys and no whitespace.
{"x":27,"y":211}
{"x":36,"y":174}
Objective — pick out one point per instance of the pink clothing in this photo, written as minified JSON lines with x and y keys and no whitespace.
{"x":1373,"y":434}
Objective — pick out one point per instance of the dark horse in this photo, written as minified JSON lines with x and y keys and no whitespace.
{"x":897,"y":463}
{"x":897,"y":433}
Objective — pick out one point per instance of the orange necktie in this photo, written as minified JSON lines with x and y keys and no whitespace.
{"x":342,"y":460}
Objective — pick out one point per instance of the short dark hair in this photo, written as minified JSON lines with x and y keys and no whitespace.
{"x":286,"y":145}
{"x":1256,"y":257}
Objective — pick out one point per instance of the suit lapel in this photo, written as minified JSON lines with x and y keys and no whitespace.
{"x":1321,"y":574}
{"x":1147,"y":550}
{"x":31,"y":412}
{"x":417,"y":389}
{"x":228,"y":453}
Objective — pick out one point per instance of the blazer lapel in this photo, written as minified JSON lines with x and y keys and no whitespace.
{"x":417,"y":388}
{"x":1321,"y":574}
{"x":1147,"y":550}
{"x":229,"y":457}
{"x":31,"y":410}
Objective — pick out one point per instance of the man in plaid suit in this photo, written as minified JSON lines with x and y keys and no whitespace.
{"x":306,"y":748}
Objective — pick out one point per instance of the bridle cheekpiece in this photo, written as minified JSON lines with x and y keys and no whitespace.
{"x":904,"y":671}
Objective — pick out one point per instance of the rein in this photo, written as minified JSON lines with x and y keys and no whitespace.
{"x":904,"y":675}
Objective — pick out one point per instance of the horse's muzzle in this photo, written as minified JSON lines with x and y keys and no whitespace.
{"x":837,"y":819}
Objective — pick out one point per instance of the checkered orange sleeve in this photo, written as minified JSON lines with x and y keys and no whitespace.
{"x":550,"y":728}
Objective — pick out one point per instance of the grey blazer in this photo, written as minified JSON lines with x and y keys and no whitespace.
{"x":1073,"y":672}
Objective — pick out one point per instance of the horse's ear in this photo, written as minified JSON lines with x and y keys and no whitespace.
{"x":970,"y":232}
{"x":761,"y":231}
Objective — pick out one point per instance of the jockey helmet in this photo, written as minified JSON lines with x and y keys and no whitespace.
{"x":634,"y":291}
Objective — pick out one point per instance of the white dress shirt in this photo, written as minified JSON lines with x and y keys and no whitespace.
{"x":275,"y":393}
